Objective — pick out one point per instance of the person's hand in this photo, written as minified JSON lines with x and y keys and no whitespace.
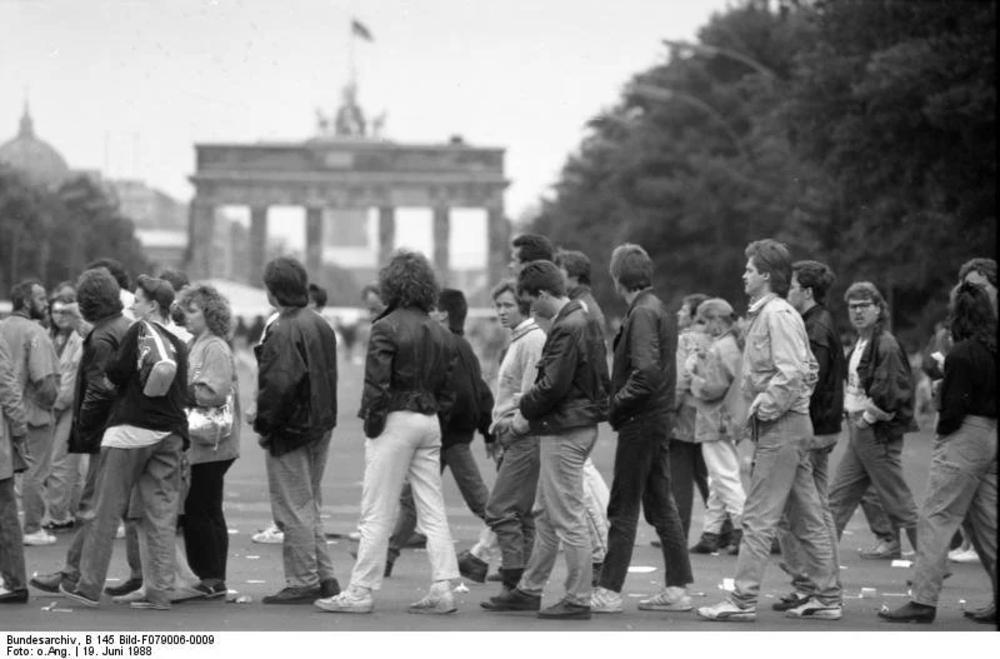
{"x":494,"y":450}
{"x":519,"y":425}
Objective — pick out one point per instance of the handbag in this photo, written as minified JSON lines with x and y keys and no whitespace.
{"x":210,"y":425}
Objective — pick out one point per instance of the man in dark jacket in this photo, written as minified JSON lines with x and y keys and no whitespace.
{"x":471,"y":412}
{"x":563,"y":408}
{"x":811,"y":280}
{"x":296,"y":414}
{"x":141,"y":447}
{"x":99,"y":300}
{"x":641,"y":410}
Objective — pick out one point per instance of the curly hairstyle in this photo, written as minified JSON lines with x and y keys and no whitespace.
{"x":408,"y":280}
{"x":98,"y":294}
{"x":971,"y":315}
{"x":213,"y":305}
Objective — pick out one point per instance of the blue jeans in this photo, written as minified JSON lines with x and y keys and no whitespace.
{"x":11,"y":540}
{"x":782,"y":477}
{"x":962,"y":485}
{"x":509,"y":509}
{"x":642,"y":477}
{"x":294,"y":480}
{"x":459,"y":458}
{"x":869,"y":461}
{"x":560,"y":515}
{"x":155,"y":471}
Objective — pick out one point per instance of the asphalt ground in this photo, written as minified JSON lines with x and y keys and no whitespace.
{"x":255,"y":570}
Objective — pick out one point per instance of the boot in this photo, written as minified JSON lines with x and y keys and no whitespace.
{"x":707,"y":544}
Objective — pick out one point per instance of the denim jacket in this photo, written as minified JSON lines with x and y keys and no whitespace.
{"x":779,"y":371}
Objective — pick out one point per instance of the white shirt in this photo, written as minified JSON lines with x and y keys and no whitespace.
{"x":855,"y":399}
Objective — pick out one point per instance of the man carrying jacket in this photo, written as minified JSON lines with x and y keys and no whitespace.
{"x":563,"y":408}
{"x":642,"y":392}
{"x":296,"y":414}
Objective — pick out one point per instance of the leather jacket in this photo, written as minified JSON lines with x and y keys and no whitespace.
{"x":644,"y":371}
{"x":571,"y":389}
{"x":885,"y":376}
{"x":410,"y":365}
{"x":296,"y":381}
{"x":826,"y":405}
{"x":95,"y":395}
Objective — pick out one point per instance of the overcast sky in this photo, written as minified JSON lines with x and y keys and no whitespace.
{"x":128,"y":86}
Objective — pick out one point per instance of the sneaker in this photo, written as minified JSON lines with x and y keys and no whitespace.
{"x":49,"y":583}
{"x":790,"y":601}
{"x":513,"y":600}
{"x":146,"y":605}
{"x":269,"y":536}
{"x":816,"y":610}
{"x":726,"y":611}
{"x":213,"y":589}
{"x":120,"y":533}
{"x":910,"y":612}
{"x":58,"y":527}
{"x":352,"y":600}
{"x":964,"y":555}
{"x":294,"y":595}
{"x":672,"y":598}
{"x":605,"y":600}
{"x":78,"y":597}
{"x":471,"y":567}
{"x":130,"y":586}
{"x":439,"y":601}
{"x":128,"y":598}
{"x":883,"y":550}
{"x":39,"y":538}
{"x":566,"y":610}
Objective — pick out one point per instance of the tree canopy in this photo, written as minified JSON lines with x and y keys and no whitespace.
{"x":859,"y":132}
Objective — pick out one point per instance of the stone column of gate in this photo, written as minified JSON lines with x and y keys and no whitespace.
{"x":201,"y":232}
{"x":498,"y":244}
{"x":442,"y":231}
{"x":258,"y":245}
{"x":314,"y":242}
{"x":386,"y":234}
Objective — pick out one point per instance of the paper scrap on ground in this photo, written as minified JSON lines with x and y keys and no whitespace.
{"x":232,"y":531}
{"x":641,"y":569}
{"x":256,"y":581}
{"x":868,"y":592}
{"x":461,"y":588}
{"x":251,"y":558}
{"x":902,"y":563}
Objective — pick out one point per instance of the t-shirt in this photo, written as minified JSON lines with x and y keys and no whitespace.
{"x":131,"y":437}
{"x":855,"y":399}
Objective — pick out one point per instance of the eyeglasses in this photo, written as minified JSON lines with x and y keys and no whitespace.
{"x":859,"y":306}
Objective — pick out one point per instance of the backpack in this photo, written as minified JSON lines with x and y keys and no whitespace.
{"x":157,"y":362}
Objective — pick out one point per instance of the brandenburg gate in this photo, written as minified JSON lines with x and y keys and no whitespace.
{"x":347,"y":169}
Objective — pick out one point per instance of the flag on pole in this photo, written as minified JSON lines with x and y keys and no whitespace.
{"x":359,"y":29}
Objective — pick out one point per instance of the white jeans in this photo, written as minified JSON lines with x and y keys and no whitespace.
{"x":596,"y":496}
{"x":409,"y":447}
{"x":725,"y":490}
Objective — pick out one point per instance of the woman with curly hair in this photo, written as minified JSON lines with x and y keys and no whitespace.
{"x":212,"y":383}
{"x":407,"y":386}
{"x":962,"y":484}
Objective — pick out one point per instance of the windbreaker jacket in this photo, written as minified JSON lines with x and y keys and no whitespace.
{"x":644,"y":371}
{"x":296,"y":381}
{"x":778,"y":369}
{"x":95,"y":394}
{"x":572,"y":385}
{"x":409,"y":367}
{"x":885,"y":376}
{"x":826,"y":406}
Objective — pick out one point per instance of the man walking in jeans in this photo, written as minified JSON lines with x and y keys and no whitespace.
{"x":642,"y":392}
{"x":562,"y":408}
{"x":778,"y":376}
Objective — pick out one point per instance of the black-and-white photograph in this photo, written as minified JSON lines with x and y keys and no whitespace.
{"x":526,"y":316}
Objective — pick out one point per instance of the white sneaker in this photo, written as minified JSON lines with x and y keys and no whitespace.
{"x":439,"y":601}
{"x":816,"y":610}
{"x":604,"y":600}
{"x":135,"y":596}
{"x":964,"y":555}
{"x":672,"y":598}
{"x":39,"y":538}
{"x":352,"y":600}
{"x":120,"y":533}
{"x":726,"y":611}
{"x":269,"y":536}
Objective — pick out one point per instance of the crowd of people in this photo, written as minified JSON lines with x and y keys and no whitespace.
{"x":121,"y":414}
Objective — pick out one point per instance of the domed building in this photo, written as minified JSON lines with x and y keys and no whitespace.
{"x":35,"y":158}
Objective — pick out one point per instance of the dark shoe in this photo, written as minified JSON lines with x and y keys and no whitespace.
{"x":566,"y":610}
{"x":883,"y":551}
{"x":129,"y":586}
{"x":987,"y":615}
{"x":212,"y":589}
{"x":510,"y":577}
{"x":595,"y":574}
{"x":707,"y":544}
{"x":329,"y":587}
{"x":471,"y":567}
{"x":49,"y":583}
{"x":910,"y":612}
{"x":416,"y":541}
{"x":790,"y":601}
{"x":18,"y":596}
{"x":292,"y":595}
{"x":78,"y":597}
{"x":513,"y":600}
{"x":58,"y":527}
